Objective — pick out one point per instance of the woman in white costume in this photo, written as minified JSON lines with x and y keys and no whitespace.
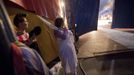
{"x":67,"y":51}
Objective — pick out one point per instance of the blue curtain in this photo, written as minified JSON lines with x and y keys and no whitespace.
{"x":123,"y":15}
{"x":85,"y":13}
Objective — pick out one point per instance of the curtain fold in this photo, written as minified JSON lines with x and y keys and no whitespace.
{"x":46,"y":8}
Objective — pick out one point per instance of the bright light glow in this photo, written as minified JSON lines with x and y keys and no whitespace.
{"x":65,"y":22}
{"x":105,"y":13}
{"x":62,"y":4}
{"x":63,"y":12}
{"x":104,"y":23}
{"x":62,"y":7}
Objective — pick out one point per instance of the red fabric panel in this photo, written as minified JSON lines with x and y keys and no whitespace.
{"x":52,"y":8}
{"x":19,"y":2}
{"x":47,"y":8}
{"x":56,"y":8}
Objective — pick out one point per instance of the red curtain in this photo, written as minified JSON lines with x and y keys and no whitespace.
{"x":47,"y":8}
{"x":52,"y":8}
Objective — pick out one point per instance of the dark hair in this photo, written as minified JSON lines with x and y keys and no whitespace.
{"x":59,"y":22}
{"x":19,"y":18}
{"x":36,"y":31}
